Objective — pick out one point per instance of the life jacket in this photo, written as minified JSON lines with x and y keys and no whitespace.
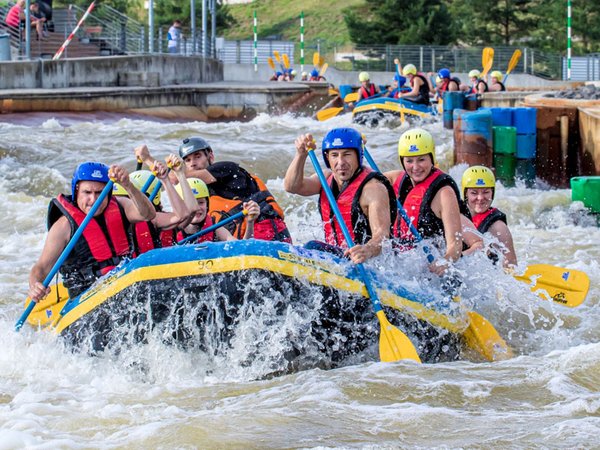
{"x":483,"y":221}
{"x":348,"y":201}
{"x":273,"y":228}
{"x":474,"y":89}
{"x":102,"y":246}
{"x":423,"y":95}
{"x":147,"y":237}
{"x":364,"y":94}
{"x":208,"y":237}
{"x":416,"y":200}
{"x":446,"y":83}
{"x":502,"y":87}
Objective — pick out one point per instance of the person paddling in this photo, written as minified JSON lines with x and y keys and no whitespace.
{"x":479,"y":186}
{"x":419,"y":84}
{"x":478,"y":85}
{"x":367,"y":89}
{"x":364,"y":197}
{"x":431,"y":199}
{"x":496,"y":84}
{"x":201,"y":220}
{"x":105,"y":240}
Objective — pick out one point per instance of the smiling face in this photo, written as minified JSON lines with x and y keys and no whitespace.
{"x":343,"y":163}
{"x":198,"y":160}
{"x":87,"y":193}
{"x":418,"y":167}
{"x":479,"y":200}
{"x":202,"y":209}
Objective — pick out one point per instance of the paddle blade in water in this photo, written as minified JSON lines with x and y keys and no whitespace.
{"x":565,"y":286}
{"x":326,"y":114}
{"x":483,"y":337}
{"x":394,"y":345}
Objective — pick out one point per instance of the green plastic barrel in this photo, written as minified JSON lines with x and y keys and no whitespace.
{"x":505,"y":167}
{"x":587,"y":190}
{"x":505,"y":140}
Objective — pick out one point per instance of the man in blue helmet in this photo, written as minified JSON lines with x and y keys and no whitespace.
{"x":105,"y":241}
{"x":364,"y":197}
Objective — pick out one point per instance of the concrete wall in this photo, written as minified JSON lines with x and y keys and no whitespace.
{"x":143,"y":70}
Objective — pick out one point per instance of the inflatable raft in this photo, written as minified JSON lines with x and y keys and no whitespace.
{"x":371,"y":112}
{"x":203,"y":296}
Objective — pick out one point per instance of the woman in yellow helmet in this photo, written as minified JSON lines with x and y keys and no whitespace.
{"x":478,"y":186}
{"x":478,"y":85}
{"x":496,"y":84}
{"x":203,"y":220}
{"x":419,"y":84}
{"x":367,"y":89}
{"x":430,"y":198}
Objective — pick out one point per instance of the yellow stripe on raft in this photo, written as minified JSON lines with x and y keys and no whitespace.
{"x":389,"y":106}
{"x":319,"y":273}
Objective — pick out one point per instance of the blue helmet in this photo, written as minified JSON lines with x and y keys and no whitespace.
{"x":314,"y":73}
{"x":444,"y":73}
{"x":339,"y":138}
{"x":89,"y":171}
{"x":278,"y":74}
{"x":400,"y":79}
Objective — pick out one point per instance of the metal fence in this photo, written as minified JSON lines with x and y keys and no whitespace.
{"x":583,"y":68}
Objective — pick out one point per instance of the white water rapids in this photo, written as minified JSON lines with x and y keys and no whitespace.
{"x":547,"y":396}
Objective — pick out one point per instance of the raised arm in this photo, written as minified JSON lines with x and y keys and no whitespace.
{"x":137,"y":207}
{"x":295,"y":182}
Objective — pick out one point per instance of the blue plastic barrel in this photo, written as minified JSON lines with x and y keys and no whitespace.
{"x":526,"y":145}
{"x":501,"y":117}
{"x":345,"y":89}
{"x":524,"y":120}
{"x":452,"y":100}
{"x":473,"y":137}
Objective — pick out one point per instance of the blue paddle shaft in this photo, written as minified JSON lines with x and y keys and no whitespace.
{"x":148,"y":183}
{"x":65,"y":253}
{"x":154,"y":191}
{"x":212,"y":227}
{"x":338,"y":215}
{"x":402,"y":211}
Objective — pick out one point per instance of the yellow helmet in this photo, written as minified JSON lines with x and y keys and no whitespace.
{"x":409,"y":68}
{"x":497,"y":75}
{"x":199,"y":188}
{"x":474,"y":73}
{"x":119,"y":190}
{"x":363,"y":76}
{"x":139,"y":179}
{"x":416,"y":142}
{"x":477,"y":177}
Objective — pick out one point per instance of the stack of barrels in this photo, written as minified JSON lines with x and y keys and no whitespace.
{"x":473,"y":137}
{"x":452,"y":100}
{"x":587,"y":190}
{"x":524,"y":120}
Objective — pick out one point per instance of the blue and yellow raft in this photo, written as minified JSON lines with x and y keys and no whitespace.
{"x":375,"y":110}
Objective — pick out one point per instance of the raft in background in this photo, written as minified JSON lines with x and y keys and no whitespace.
{"x":196,"y":296}
{"x":374,"y":110}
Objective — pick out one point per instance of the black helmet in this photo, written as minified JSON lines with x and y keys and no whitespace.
{"x":193,"y":145}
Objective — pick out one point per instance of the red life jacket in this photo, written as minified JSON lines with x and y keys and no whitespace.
{"x":208,"y":237}
{"x":147,"y":237}
{"x":348,"y":202}
{"x":416,"y":200}
{"x":483,"y":221}
{"x":446,"y":83}
{"x":366,"y":94}
{"x":101,"y":247}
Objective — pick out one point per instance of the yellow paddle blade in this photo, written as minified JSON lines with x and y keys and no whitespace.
{"x":482,"y":337}
{"x":568,"y":287}
{"x":286,"y":61}
{"x":321,"y":61}
{"x":316,"y":59}
{"x":323,"y":69}
{"x":271,"y":63}
{"x":333,"y":91}
{"x":276,"y":55}
{"x":351,"y":97}
{"x":394,"y":345}
{"x":326,"y":114}
{"x":514,"y":60}
{"x":487,"y":58}
{"x":46,"y":310}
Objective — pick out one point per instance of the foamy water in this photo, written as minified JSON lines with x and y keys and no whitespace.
{"x":156,"y":396}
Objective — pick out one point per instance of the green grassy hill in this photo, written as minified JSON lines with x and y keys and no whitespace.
{"x":323,"y":19}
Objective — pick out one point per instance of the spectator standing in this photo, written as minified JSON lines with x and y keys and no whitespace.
{"x":174,"y":37}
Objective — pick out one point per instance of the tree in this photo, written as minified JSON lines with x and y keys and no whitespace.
{"x":400,"y":22}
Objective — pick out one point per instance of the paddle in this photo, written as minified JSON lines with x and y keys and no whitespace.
{"x":286,"y":61}
{"x":271,"y":63}
{"x":278,"y":58}
{"x":481,"y":334}
{"x":487,"y":60}
{"x":321,"y":61}
{"x":568,"y":287}
{"x":328,"y":113}
{"x":323,"y":69}
{"x":316,"y":59}
{"x":512,"y":63}
{"x":393,"y":344}
{"x":139,"y":164}
{"x":49,"y":307}
{"x":65,"y":253}
{"x":351,"y":97}
{"x":213,"y":227}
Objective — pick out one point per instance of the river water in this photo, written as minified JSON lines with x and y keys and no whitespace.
{"x":155,"y":396}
